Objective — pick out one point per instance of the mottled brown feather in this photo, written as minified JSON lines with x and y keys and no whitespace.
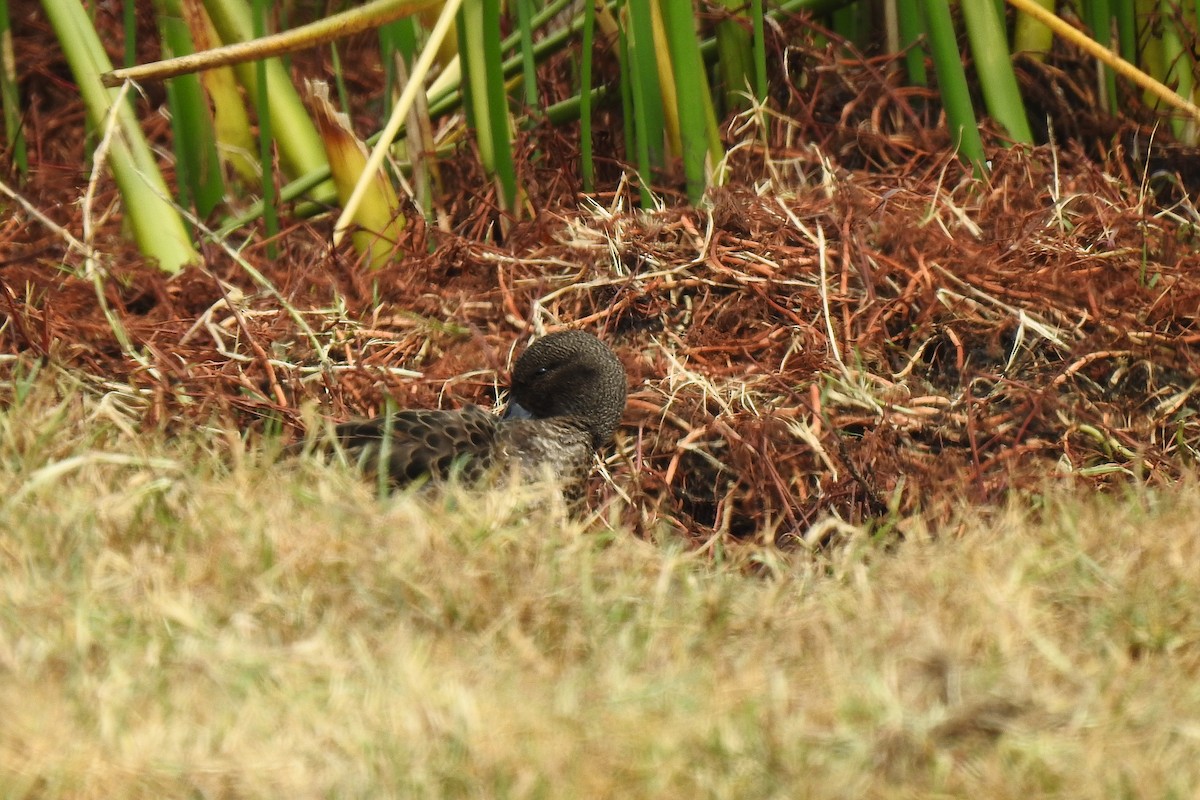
{"x":424,"y":442}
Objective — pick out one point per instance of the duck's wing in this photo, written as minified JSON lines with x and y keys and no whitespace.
{"x":416,"y":443}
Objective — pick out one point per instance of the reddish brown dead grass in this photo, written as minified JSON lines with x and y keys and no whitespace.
{"x":984,"y":335}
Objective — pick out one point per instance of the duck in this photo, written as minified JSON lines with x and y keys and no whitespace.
{"x":566,"y":398}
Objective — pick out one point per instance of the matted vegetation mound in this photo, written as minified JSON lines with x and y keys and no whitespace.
{"x":850,"y":327}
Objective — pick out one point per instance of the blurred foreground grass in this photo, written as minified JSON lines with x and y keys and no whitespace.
{"x":181,"y":618}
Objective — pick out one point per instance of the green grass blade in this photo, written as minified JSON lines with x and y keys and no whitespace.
{"x":993,"y":65}
{"x":479,"y":23}
{"x":629,"y":110}
{"x":1126,"y":16}
{"x":566,"y":111}
{"x":1179,"y":68}
{"x":697,"y":119}
{"x":587,"y":41}
{"x":912,"y":26}
{"x":197,"y":165}
{"x":1099,"y":16}
{"x":262,"y":109}
{"x":666,"y":77}
{"x":446,"y":94}
{"x":528,"y":65}
{"x":129,"y":22}
{"x":399,"y":36}
{"x":640,"y":73}
{"x":467,"y":31}
{"x":735,"y":61}
{"x":852,"y":22}
{"x":952,"y":83}
{"x":760,"y":50}
{"x":10,"y":99}
{"x":649,"y":122}
{"x":339,"y":79}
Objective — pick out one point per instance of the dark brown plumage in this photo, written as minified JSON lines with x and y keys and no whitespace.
{"x":566,"y":399}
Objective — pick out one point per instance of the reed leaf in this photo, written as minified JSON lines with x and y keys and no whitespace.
{"x":262,"y":109}
{"x":760,"y":51}
{"x":1178,"y":66}
{"x":479,"y":52}
{"x":10,"y":99}
{"x":639,"y":68}
{"x":1032,"y":37}
{"x":587,"y":167}
{"x":231,"y":122}
{"x":378,"y":216}
{"x":400,"y":111}
{"x":1099,"y":20}
{"x":194,"y":139}
{"x":157,"y":227}
{"x":1125,"y":13}
{"x":735,"y":62}
{"x":911,"y":28}
{"x":300,"y":149}
{"x":700,"y":140}
{"x":667,"y":83}
{"x":993,"y":66}
{"x":952,"y":83}
{"x":528,"y":64}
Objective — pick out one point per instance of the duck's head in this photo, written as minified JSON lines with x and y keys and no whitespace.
{"x":570,"y":373}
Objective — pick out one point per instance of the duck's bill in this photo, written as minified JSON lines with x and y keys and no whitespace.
{"x":516,"y":411}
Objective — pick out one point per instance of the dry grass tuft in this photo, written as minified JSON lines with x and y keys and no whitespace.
{"x":179,"y":621}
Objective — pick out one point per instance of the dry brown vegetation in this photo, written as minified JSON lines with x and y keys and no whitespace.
{"x":838,"y":550}
{"x":852,"y":326}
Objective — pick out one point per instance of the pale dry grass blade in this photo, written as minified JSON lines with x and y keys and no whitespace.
{"x":242,"y":628}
